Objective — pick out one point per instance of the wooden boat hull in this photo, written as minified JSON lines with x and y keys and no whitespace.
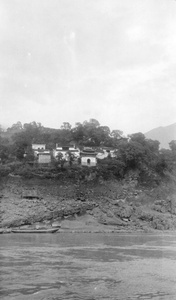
{"x":34,"y":230}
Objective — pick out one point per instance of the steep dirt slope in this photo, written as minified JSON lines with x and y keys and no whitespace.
{"x":111,"y":204}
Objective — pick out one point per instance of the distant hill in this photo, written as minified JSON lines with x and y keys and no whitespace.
{"x":163,"y":134}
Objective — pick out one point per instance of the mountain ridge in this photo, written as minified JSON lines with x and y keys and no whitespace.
{"x":163,"y":134}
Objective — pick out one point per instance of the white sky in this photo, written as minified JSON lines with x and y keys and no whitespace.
{"x":72,"y":60}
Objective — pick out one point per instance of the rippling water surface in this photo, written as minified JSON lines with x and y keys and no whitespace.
{"x":87,"y":266}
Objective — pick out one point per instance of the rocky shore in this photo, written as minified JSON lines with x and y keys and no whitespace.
{"x":88,"y":206}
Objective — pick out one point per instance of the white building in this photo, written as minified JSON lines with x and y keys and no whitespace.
{"x":88,"y":161}
{"x":105,"y":152}
{"x":64,"y":150}
{"x":44,"y":157}
{"x":88,"y":157}
{"x":38,"y":146}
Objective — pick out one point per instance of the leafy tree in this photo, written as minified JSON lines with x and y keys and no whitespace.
{"x":17,"y":126}
{"x":91,"y":134}
{"x":94,"y":122}
{"x":132,"y":154}
{"x":105,"y":130}
{"x":165,"y":161}
{"x":22,"y":140}
{"x":70,"y":157}
{"x":116,"y":134}
{"x":91,"y":122}
{"x":4,"y":153}
{"x":172,"y":146}
{"x":61,"y":160}
{"x":29,"y":155}
{"x":66,"y":126}
{"x":139,"y":153}
{"x":33,"y":131}
{"x":137,"y":137}
{"x":152,"y":145}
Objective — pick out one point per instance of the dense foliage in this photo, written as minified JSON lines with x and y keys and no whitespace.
{"x":134,"y":152}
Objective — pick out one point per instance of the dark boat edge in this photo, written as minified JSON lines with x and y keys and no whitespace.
{"x":34,"y":230}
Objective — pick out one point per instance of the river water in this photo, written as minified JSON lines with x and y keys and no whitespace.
{"x":87,"y":266}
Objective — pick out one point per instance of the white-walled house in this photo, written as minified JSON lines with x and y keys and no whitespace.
{"x":106,"y":152}
{"x":44,"y":157}
{"x":64,"y":151}
{"x":38,"y":146}
{"x":88,"y":157}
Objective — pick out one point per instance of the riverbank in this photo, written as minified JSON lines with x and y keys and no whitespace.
{"x":88,"y":206}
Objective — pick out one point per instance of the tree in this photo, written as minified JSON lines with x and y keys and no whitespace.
{"x":153,"y":145}
{"x":70,"y":156}
{"x":4,"y":153}
{"x":29,"y":155}
{"x":139,"y":153}
{"x":94,"y":122}
{"x":132,"y":154}
{"x":15,"y":127}
{"x":91,"y":134}
{"x":172,"y":146}
{"x":91,"y":122}
{"x":105,"y":129}
{"x":116,"y":134}
{"x":165,"y":161}
{"x":66,"y":126}
{"x":78,"y":133}
{"x":138,"y":137}
{"x":61,"y":160}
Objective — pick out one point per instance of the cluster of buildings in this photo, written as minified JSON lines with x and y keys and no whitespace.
{"x":85,"y":157}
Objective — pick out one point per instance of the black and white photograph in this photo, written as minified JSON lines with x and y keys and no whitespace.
{"x":87,"y":149}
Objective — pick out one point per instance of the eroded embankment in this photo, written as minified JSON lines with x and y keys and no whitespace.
{"x":79,"y":205}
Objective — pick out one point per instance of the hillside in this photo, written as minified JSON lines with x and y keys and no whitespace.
{"x":163,"y":134}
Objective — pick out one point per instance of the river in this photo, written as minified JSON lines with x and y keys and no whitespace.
{"x":87,"y":266}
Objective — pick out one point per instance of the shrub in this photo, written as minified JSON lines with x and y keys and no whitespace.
{"x":14,"y":165}
{"x":25,"y":171}
{"x":4,"y":170}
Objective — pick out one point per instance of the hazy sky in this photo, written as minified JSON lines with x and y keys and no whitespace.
{"x":72,"y":60}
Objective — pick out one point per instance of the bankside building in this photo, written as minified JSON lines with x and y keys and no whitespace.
{"x":88,"y":157}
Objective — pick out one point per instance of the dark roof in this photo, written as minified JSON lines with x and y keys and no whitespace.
{"x":100,"y":151}
{"x":87,"y":153}
{"x":88,"y":150}
{"x":44,"y":153}
{"x":40,"y":150}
